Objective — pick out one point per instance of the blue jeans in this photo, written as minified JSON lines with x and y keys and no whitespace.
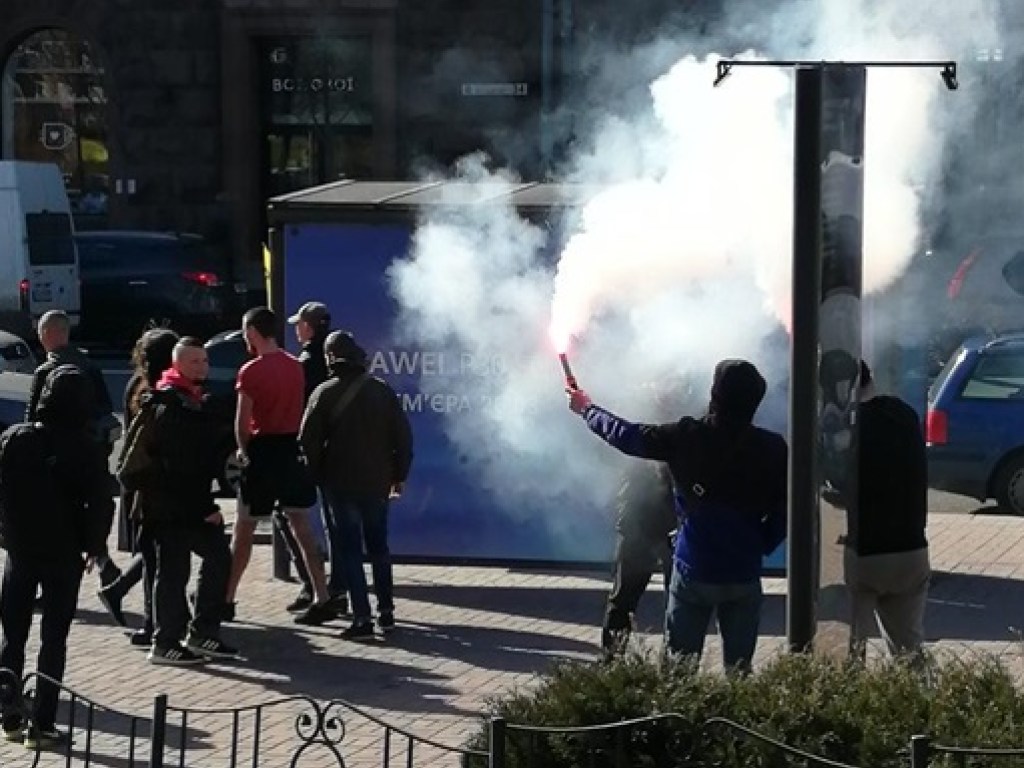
{"x":690,"y":607}
{"x":355,"y":522}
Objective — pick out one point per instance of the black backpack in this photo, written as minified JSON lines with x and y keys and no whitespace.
{"x":27,"y":483}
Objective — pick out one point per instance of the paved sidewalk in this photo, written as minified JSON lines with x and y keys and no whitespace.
{"x":465,"y":635}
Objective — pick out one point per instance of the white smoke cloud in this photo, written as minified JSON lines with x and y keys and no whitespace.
{"x":684,"y":257}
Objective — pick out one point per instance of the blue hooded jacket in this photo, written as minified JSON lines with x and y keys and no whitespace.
{"x":729,"y":476}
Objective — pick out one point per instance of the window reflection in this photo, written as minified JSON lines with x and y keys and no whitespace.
{"x":318,"y":111}
{"x":55,"y":111}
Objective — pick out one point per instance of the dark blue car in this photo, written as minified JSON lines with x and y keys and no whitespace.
{"x":975,"y":422}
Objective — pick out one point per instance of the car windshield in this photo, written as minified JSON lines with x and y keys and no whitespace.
{"x":148,"y":255}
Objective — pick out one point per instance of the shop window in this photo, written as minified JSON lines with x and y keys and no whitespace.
{"x":317,"y":111}
{"x":55,"y":111}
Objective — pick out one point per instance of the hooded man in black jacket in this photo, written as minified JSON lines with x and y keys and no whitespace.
{"x":171,"y":461}
{"x":358,"y":442}
{"x":729,"y":478}
{"x":55,"y":515}
{"x":886,"y":560}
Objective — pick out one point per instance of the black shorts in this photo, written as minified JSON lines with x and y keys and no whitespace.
{"x":276,"y":474}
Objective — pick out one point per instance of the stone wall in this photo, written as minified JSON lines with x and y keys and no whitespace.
{"x":163,"y":87}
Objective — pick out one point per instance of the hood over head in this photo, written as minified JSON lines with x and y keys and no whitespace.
{"x":66,"y":399}
{"x":340,"y":348}
{"x":736,"y":392}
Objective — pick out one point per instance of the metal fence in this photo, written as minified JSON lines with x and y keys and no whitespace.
{"x":334,"y":734}
{"x":319,"y":734}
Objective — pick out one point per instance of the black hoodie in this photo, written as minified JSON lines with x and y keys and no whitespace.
{"x":892,"y":490}
{"x":729,"y":476}
{"x":54,"y":481}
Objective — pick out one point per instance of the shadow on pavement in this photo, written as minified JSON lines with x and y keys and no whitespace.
{"x":573,"y":605}
{"x":964,"y":606}
{"x":992,"y":510}
{"x":562,"y":604}
{"x":283,"y":660}
{"x":500,"y":650}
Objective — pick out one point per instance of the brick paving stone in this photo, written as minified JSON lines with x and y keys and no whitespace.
{"x":466,"y":635}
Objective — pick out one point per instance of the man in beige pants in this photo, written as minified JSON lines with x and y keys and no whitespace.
{"x":886,"y":559}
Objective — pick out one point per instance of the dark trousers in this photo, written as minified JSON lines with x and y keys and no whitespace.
{"x":59,"y":581}
{"x":301,"y":572}
{"x":174,"y":548}
{"x":636,"y":557}
{"x":353,"y":523}
{"x":337,"y":584}
{"x":141,"y":567}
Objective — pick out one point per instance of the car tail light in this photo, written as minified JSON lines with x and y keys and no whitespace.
{"x":23,"y":287}
{"x":208,"y":279}
{"x":936,"y":427}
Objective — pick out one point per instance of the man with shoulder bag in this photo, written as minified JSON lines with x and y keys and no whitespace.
{"x":358,"y":443}
{"x":730,"y":493}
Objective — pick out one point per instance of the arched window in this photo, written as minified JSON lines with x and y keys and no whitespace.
{"x":55,"y":110}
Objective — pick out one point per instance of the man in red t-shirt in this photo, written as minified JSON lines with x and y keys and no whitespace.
{"x":271,"y":399}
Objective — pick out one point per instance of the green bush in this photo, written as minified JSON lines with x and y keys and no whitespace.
{"x":848,"y":712}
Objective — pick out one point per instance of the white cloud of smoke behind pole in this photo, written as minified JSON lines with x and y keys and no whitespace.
{"x":684,"y":258}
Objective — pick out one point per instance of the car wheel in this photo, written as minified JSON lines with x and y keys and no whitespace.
{"x":1008,"y":485}
{"x":230,"y":474}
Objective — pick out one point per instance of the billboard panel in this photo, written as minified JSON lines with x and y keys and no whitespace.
{"x":447,"y":512}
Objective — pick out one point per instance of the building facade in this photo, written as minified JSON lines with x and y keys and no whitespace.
{"x":187,"y":116}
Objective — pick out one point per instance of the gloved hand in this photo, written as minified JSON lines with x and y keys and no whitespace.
{"x":579,"y":400}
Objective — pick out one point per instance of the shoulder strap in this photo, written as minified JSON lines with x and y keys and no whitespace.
{"x":700,"y":490}
{"x":346,"y":398}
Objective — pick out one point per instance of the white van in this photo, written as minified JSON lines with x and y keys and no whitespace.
{"x":38,"y":256}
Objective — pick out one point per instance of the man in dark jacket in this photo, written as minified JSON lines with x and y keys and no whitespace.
{"x":358,"y":442}
{"x":312,"y":324}
{"x":646,"y":518}
{"x":887,"y":568}
{"x":171,"y":462}
{"x":730,"y":492}
{"x":55,"y":515}
{"x":55,"y":337}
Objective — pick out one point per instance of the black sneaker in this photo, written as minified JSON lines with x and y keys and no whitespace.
{"x":315,"y":615}
{"x":229,"y":612}
{"x":111,"y":599}
{"x":211,"y":646}
{"x":359,"y":631}
{"x":386,"y":622}
{"x":339,"y":604}
{"x":175,"y":656}
{"x":14,"y":731}
{"x":140,"y":638}
{"x":302,"y":601}
{"x":45,"y":738}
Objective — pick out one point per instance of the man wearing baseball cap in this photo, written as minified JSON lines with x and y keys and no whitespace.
{"x":312,"y":323}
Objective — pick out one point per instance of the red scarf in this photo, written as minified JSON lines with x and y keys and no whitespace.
{"x":172,"y":379}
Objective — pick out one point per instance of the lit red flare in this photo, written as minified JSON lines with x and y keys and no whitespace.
{"x":570,"y":378}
